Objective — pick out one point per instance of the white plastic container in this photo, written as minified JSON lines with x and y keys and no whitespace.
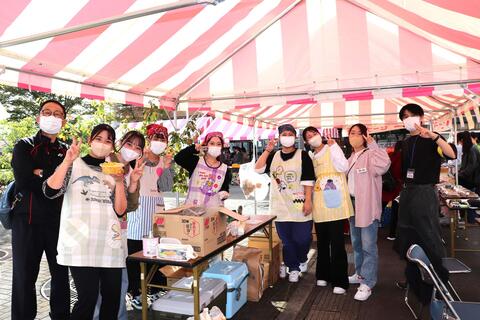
{"x":181,"y":303}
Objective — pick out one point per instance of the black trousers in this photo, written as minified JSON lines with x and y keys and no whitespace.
{"x":133,"y":270}
{"x":29,"y":242}
{"x":332,"y":262}
{"x":89,"y":281}
{"x":418,"y":223}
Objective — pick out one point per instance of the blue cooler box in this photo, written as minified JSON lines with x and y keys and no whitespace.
{"x":235,"y":275}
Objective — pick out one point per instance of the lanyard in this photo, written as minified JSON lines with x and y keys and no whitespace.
{"x":412,"y":154}
{"x":356,"y":161}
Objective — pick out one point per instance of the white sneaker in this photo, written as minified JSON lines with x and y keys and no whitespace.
{"x":321,"y":283}
{"x":339,"y":290}
{"x":354,"y":279}
{"x":304,"y":266}
{"x":363,"y":292}
{"x":293,"y":276}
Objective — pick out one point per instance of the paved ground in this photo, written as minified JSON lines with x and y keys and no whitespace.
{"x":292,"y":301}
{"x":237,"y":199}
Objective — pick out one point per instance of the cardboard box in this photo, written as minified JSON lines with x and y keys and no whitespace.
{"x":175,"y":273}
{"x":205,"y":233}
{"x":273,"y":262}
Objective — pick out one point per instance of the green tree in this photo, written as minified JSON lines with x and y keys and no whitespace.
{"x":10,"y":132}
{"x":21,"y":103}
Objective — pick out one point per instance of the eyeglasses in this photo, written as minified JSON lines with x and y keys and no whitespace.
{"x":48,"y":113}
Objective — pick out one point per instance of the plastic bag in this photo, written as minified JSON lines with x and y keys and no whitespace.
{"x":252,"y":183}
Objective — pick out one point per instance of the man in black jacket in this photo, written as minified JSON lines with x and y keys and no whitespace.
{"x":36,"y":219}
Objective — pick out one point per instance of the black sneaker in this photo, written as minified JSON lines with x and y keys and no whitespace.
{"x":401,"y":284}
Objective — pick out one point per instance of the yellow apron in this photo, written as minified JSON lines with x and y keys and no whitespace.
{"x":331,"y":200}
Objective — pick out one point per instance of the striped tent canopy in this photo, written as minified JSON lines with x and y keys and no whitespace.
{"x":257,"y":63}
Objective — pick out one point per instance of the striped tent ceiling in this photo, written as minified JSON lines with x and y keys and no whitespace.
{"x":311,"y":62}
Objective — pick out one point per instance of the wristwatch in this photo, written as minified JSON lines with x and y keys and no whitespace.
{"x":436,"y":139}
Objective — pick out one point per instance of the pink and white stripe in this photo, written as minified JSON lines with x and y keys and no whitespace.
{"x":254,"y":53}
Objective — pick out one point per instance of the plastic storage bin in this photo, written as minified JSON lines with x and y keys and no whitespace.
{"x":179,"y":305}
{"x":235,"y":275}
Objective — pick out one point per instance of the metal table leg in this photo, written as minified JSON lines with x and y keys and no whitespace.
{"x":196,"y":293}
{"x":143,"y":281}
{"x":452,"y":234}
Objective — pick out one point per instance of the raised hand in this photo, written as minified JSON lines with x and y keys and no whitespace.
{"x":74,"y":151}
{"x":368,"y":138}
{"x":330,"y":141}
{"x":425,"y":133}
{"x":137,"y":171}
{"x":271,"y":145}
{"x":168,"y":160}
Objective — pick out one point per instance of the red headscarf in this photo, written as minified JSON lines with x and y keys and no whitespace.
{"x":210,"y":135}
{"x":154,"y":128}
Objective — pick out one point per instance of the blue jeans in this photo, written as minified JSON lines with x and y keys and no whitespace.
{"x":365,"y":251}
{"x":122,"y":311}
{"x":296,"y":239}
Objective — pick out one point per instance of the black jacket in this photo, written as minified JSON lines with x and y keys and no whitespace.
{"x":32,"y":153}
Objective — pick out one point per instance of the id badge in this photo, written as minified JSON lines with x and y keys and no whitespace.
{"x":410,"y":173}
{"x":362,"y":170}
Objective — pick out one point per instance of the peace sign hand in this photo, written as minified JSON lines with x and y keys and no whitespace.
{"x":73,"y":152}
{"x":137,"y":171}
{"x":368,"y":138}
{"x":424,"y":132}
{"x":271,"y":145}
{"x":330,"y":141}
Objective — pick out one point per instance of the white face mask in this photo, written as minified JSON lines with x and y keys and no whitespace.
{"x":129,"y":155}
{"x":50,"y":125}
{"x":410,"y":123}
{"x":214,"y":151}
{"x":287,"y":141}
{"x":100,"y":150}
{"x":315,"y":141}
{"x":158,"y":147}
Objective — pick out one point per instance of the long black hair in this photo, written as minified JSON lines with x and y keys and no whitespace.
{"x":466,"y":139}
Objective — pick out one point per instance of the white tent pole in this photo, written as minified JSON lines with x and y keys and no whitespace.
{"x":102,"y":22}
{"x":177,"y":195}
{"x":319,"y":92}
{"x":254,"y":156}
{"x":454,"y":119}
{"x":218,"y":65}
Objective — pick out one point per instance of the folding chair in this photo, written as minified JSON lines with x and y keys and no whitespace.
{"x":446,"y":307}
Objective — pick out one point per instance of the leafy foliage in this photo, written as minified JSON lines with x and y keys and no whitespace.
{"x":21,"y":103}
{"x":10,"y":132}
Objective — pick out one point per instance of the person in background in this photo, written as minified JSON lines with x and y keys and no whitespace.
{"x":237,"y":155}
{"x":292,"y":179}
{"x":130,"y":153}
{"x":367,"y":164}
{"x":469,"y":171}
{"x":209,"y":177}
{"x":391,"y":196}
{"x":36,"y":219}
{"x":331,"y":209}
{"x":418,"y":221}
{"x":245,"y":156}
{"x":475,"y":140}
{"x":140,"y":221}
{"x":90,"y":240}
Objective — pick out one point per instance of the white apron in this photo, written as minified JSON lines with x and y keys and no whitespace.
{"x":205,"y":183}
{"x":90,"y":233}
{"x":287,"y":195}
